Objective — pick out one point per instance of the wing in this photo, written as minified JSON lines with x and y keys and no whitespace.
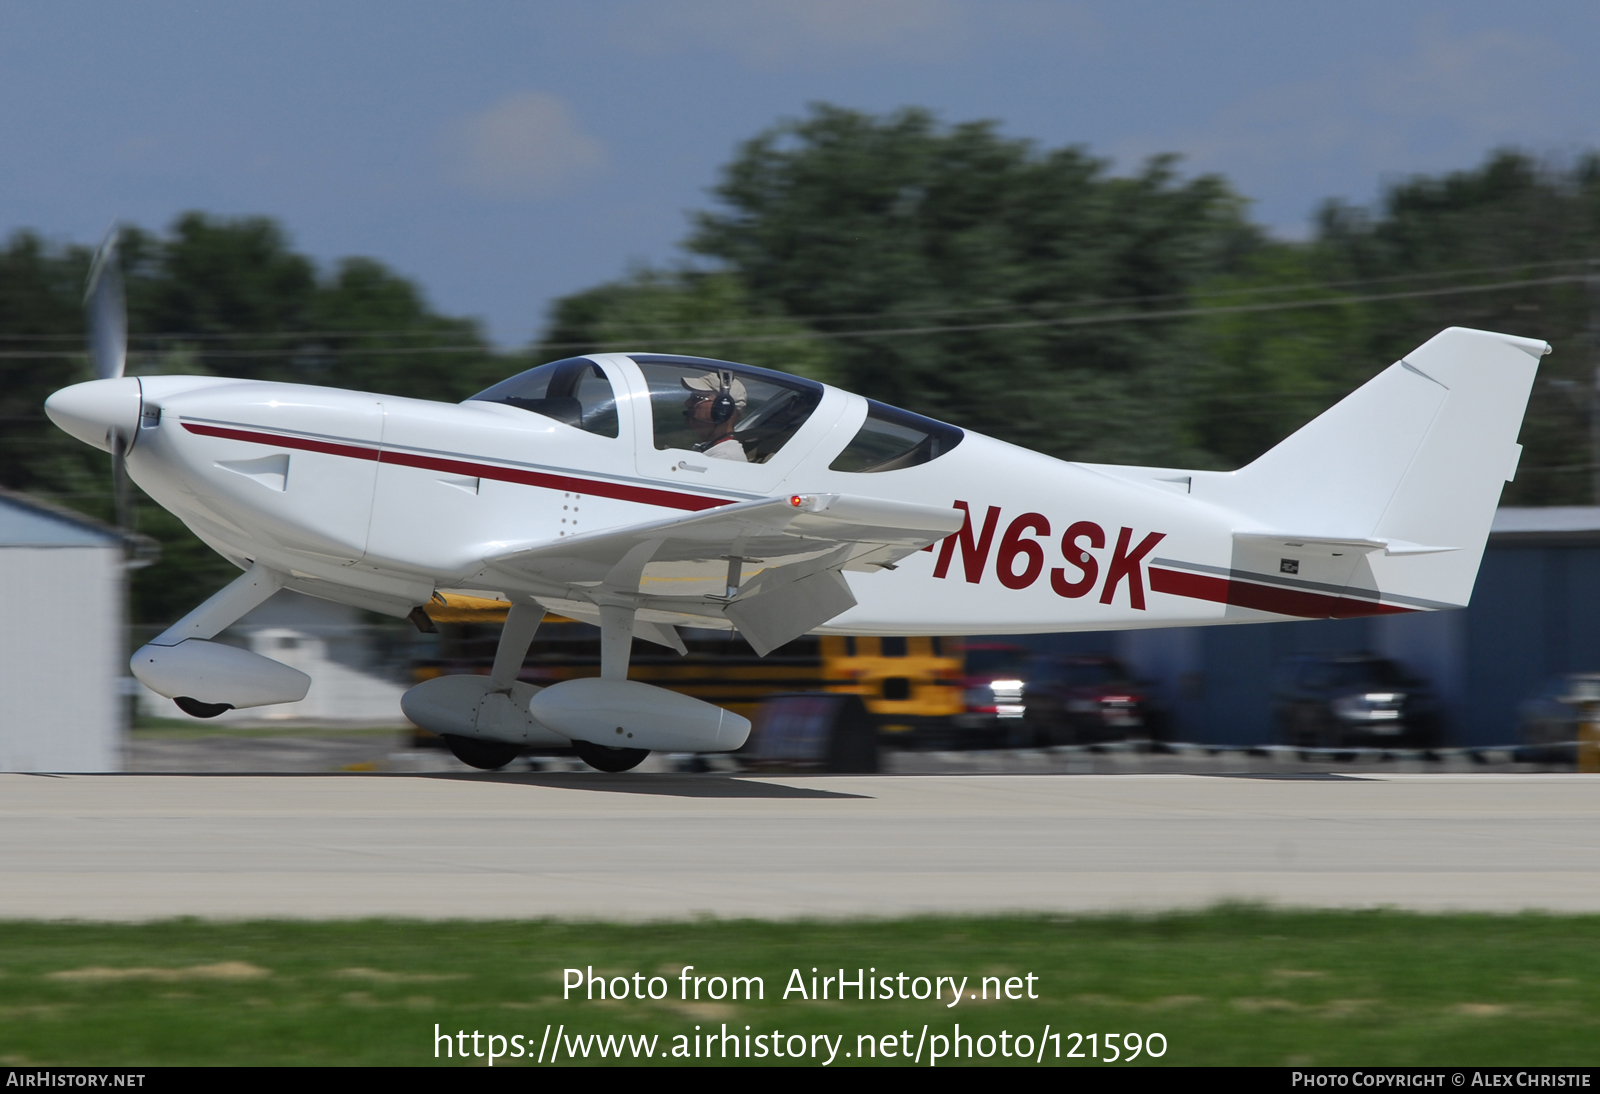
{"x":772,"y":568}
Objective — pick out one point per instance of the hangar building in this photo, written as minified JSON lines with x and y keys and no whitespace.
{"x":62,"y":620}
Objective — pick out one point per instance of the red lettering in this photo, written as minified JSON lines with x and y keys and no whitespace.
{"x":1078,"y":557}
{"x":973,"y":554}
{"x":1012,"y":544}
{"x":1124,"y":564}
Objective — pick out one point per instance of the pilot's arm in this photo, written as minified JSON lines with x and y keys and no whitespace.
{"x":728,"y":449}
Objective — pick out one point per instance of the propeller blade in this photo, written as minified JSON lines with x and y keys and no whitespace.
{"x":119,"y":480}
{"x":107,"y":311}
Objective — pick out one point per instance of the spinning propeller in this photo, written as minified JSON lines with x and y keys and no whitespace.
{"x":107,"y":311}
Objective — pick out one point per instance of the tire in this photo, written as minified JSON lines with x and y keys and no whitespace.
{"x":1424,"y":734}
{"x":484,"y":755}
{"x":613,"y":760}
{"x":1036,"y":732}
{"x":196,"y":709}
{"x":1304,"y":728}
{"x":1075,"y":729}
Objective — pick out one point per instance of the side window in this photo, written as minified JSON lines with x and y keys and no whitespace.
{"x":574,"y":392}
{"x":891,"y":439}
{"x":726,"y":411}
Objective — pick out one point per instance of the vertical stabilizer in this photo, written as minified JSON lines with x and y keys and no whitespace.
{"x":1413,"y":461}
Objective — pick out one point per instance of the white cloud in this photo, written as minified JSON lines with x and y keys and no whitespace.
{"x":790,"y":33}
{"x":525,"y":146}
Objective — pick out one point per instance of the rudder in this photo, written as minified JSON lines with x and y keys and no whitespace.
{"x":1415,"y":458}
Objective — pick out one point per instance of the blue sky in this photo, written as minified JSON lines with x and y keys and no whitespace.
{"x":503,"y":154}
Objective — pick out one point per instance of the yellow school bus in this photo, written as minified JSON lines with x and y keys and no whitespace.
{"x":907,"y":684}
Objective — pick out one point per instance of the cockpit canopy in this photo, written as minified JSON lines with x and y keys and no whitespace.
{"x":759,"y":409}
{"x":693,"y":400}
{"x":572,"y":391}
{"x":891,"y":439}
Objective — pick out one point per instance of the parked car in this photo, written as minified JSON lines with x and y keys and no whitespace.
{"x":1085,"y":700}
{"x":1547,"y":721}
{"x":1350,"y":699}
{"x":992,"y":681}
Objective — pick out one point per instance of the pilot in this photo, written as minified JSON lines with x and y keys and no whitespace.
{"x":716,"y":403}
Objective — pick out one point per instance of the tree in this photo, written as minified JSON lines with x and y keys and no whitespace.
{"x":855,"y":224}
{"x":213,"y":296}
{"x":41,"y":341}
{"x":697,"y":314}
{"x":1509,"y":220}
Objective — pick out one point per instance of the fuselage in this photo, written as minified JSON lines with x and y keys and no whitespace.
{"x":381,"y":501}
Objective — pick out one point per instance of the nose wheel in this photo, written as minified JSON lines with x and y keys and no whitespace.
{"x":602,"y":758}
{"x":196,"y":709}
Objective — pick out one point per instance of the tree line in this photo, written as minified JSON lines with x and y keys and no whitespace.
{"x":1025,"y":292}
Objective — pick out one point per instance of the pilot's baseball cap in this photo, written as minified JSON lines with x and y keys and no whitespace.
{"x":711,"y":382}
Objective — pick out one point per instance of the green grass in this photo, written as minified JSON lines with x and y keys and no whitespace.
{"x":149,"y":727}
{"x":1233,"y":985}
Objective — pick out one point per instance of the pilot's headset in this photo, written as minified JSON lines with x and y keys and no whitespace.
{"x":723,"y":406}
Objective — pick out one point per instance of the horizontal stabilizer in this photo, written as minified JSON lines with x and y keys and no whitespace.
{"x":1355,"y":544}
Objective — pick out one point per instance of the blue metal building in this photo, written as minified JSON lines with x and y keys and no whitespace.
{"x":1535,"y":613}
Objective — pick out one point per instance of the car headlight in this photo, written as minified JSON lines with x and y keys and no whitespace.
{"x":1374,"y":706}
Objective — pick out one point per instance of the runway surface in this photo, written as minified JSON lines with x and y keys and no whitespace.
{"x":637,"y":847}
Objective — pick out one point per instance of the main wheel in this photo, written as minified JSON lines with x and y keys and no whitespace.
{"x":602,"y":758}
{"x":484,"y":755}
{"x":196,"y":709}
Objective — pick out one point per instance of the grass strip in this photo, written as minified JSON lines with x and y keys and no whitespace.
{"x":1230,"y":985}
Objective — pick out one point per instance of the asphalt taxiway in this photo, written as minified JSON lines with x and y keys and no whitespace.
{"x":647,"y":846}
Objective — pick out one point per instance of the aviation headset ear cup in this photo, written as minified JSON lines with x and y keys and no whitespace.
{"x":722,"y":407}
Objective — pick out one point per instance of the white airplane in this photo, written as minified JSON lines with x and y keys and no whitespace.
{"x":644,"y":492}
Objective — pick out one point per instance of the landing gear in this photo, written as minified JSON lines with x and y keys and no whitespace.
{"x":196,"y":709}
{"x":602,"y":758}
{"x":484,"y":755}
{"x":522,"y":621}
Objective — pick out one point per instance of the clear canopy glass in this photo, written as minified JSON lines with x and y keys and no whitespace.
{"x":723,"y":410}
{"x":573,"y":391}
{"x":891,"y":439}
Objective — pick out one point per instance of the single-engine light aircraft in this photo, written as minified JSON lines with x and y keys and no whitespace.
{"x":644,"y":492}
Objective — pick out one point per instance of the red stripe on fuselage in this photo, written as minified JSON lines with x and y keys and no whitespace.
{"x":331,"y":448}
{"x":622,"y":491}
{"x":644,"y":495}
{"x":1265,"y":598}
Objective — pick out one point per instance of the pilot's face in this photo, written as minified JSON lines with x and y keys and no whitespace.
{"x":697,"y":409}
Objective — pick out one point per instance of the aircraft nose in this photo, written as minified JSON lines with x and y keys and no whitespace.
{"x":90,"y":411}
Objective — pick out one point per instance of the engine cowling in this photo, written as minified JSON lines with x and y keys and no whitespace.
{"x":212,"y":672}
{"x":471,"y":706}
{"x":628,"y":714}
